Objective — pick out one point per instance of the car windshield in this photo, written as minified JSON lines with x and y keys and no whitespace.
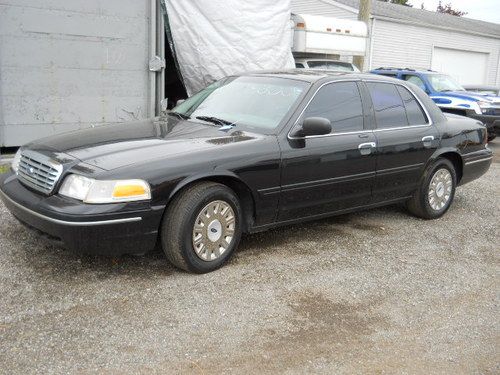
{"x":442,"y":83}
{"x":257,"y":103}
{"x":331,"y":65}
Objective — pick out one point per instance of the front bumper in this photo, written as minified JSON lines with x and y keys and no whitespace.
{"x":108,"y":229}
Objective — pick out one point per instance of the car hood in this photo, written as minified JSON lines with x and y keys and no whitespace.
{"x":469,"y":95}
{"x":114,"y":146}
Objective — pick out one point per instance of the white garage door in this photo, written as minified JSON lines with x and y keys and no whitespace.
{"x":466,"y":66}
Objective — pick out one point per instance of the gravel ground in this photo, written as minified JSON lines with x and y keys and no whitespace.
{"x":373,"y":292}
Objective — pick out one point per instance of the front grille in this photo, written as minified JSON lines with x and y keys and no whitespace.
{"x":38,"y":171}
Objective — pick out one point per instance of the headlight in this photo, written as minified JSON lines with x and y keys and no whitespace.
{"x":90,"y":190}
{"x":16,"y":161}
{"x":484,"y":106}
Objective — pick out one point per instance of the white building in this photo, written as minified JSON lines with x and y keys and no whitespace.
{"x":402,"y":36}
{"x":68,"y":65}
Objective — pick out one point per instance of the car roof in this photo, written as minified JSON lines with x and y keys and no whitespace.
{"x":316,"y":75}
{"x":407,"y":70}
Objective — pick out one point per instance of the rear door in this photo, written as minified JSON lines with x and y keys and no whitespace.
{"x":405,"y":137}
{"x":332,"y":172}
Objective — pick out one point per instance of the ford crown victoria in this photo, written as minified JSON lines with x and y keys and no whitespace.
{"x":246,"y":154}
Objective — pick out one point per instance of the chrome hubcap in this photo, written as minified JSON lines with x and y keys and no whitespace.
{"x":440,"y":189}
{"x":213,"y":230}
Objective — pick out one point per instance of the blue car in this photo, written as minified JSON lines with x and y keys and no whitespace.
{"x":451,"y":97}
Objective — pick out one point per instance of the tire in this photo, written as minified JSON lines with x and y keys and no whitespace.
{"x":219,"y":224}
{"x":425,"y":207}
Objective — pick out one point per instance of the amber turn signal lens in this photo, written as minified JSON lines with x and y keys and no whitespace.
{"x":122,"y":191}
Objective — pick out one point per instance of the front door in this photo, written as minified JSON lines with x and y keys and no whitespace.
{"x":333,"y":172}
{"x":405,"y":139}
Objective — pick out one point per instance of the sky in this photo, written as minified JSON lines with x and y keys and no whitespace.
{"x":485,"y":10}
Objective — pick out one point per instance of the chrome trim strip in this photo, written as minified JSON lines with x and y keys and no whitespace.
{"x":71,"y":223}
{"x":327,"y":181}
{"x":429,"y":123}
{"x":479,"y":161}
{"x":327,"y":135}
{"x":477,"y":152}
{"x":401,"y":128}
{"x":403,"y":168}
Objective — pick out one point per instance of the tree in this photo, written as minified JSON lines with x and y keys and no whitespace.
{"x":400,"y":2}
{"x":449,"y":10}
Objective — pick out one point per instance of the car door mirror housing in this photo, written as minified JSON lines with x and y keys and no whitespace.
{"x":315,"y":126}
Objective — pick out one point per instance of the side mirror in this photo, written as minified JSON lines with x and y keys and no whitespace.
{"x":180,"y":101}
{"x":315,"y":126}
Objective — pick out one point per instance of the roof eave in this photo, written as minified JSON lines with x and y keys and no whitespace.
{"x":407,"y":22}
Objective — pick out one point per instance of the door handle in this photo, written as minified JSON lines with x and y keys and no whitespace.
{"x":366,"y":148}
{"x":427,"y":140}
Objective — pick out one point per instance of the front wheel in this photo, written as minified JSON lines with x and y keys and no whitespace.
{"x":202,"y":227}
{"x":436,"y":191}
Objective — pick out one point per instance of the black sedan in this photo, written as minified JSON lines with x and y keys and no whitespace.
{"x":246,"y":154}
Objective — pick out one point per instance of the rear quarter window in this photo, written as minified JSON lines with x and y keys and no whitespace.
{"x":414,"y":112}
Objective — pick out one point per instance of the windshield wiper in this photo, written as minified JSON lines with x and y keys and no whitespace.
{"x":179,"y":115}
{"x":215,"y":120}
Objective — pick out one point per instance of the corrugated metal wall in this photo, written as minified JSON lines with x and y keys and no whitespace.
{"x":403,"y":45}
{"x":321,"y":8}
{"x":66,"y":64}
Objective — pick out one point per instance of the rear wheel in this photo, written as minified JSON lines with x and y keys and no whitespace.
{"x":202,"y":227}
{"x":436,"y":191}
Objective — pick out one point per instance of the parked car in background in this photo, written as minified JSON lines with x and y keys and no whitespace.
{"x":248,"y":153}
{"x":451,"y":97}
{"x":483,"y":89}
{"x":326,"y":64}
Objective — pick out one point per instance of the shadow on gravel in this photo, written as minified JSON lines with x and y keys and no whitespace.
{"x":58,"y":263}
{"x":306,"y":239}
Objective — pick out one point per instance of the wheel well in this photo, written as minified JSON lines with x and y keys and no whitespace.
{"x":456,"y":159}
{"x":242,"y":192}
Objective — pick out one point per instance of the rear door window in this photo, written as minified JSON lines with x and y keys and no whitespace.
{"x":388,"y":105}
{"x":341,"y":104}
